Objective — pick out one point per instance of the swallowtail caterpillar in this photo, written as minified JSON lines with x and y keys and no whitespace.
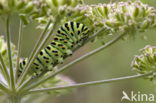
{"x":67,"y":37}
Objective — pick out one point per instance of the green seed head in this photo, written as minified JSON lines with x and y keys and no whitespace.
{"x":146,"y":62}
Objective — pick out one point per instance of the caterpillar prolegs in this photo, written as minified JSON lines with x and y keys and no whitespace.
{"x":67,"y":37}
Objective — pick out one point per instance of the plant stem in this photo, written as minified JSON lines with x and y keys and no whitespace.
{"x":89,"y":83}
{"x":35,"y":53}
{"x":40,"y":38}
{"x":4,"y":70}
{"x":73,"y":62}
{"x":39,"y":41}
{"x":11,"y":3}
{"x":19,"y":49}
{"x":3,"y":88}
{"x":12,"y":82}
{"x":14,"y":99}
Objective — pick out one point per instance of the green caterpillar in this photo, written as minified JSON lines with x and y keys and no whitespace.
{"x":68,"y":36}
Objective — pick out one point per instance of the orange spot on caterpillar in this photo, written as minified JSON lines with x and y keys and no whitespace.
{"x":65,"y":41}
{"x":37,"y":67}
{"x":63,"y":47}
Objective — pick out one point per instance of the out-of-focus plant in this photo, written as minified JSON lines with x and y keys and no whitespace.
{"x":118,"y":19}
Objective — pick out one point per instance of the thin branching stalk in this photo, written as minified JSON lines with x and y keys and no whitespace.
{"x":4,"y":70}
{"x":3,"y":87}
{"x":12,"y":82}
{"x":34,"y":55}
{"x":41,"y":38}
{"x":72,"y":63}
{"x":86,"y":84}
{"x":19,"y":48}
{"x":30,"y":80}
{"x":37,"y":44}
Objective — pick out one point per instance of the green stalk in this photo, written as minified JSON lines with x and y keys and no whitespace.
{"x":12,"y":82}
{"x":40,"y":38}
{"x":35,"y":53}
{"x":4,"y":70}
{"x":72,"y":63}
{"x":31,"y":79}
{"x":4,"y":88}
{"x":11,"y":3}
{"x":14,"y":99}
{"x":39,"y":41}
{"x":19,"y":49}
{"x":86,"y":84}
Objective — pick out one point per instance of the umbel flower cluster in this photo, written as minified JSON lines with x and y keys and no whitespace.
{"x":39,"y":10}
{"x":117,"y":18}
{"x":146,"y":62}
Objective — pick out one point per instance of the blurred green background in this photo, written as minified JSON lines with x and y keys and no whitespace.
{"x":113,"y":62}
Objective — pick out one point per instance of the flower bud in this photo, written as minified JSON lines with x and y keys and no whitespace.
{"x":117,"y":16}
{"x":24,"y":18}
{"x":105,"y":11}
{"x":41,"y":20}
{"x":78,"y":19}
{"x":11,"y":3}
{"x":61,"y":10}
{"x":29,"y":7}
{"x":74,"y":3}
{"x":66,"y":2}
{"x":108,"y":23}
{"x":55,"y":3}
{"x":142,"y":11}
{"x":34,"y":15}
{"x":20,"y":4}
{"x":145,"y":24}
{"x":100,"y":9}
{"x":136,"y":11}
{"x":94,"y":11}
